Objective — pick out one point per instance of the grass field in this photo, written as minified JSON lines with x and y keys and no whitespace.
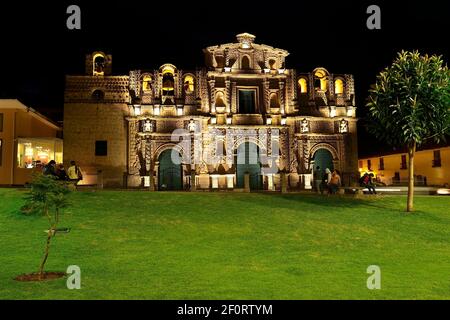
{"x":141,"y":245}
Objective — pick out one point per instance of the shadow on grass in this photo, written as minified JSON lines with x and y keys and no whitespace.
{"x":297,"y":200}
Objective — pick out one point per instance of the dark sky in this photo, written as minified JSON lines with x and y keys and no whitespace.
{"x":37,"y":49}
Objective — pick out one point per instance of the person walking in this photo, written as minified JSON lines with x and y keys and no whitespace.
{"x":74,"y":173}
{"x":371,"y":184}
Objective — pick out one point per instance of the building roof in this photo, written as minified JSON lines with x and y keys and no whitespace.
{"x":16,"y":104}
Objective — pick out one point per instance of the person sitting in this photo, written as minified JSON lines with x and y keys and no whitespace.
{"x":61,"y":173}
{"x":49,"y":169}
{"x":335,"y":182}
{"x":74,"y":173}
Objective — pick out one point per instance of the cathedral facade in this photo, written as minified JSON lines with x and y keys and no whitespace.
{"x":243,"y":122}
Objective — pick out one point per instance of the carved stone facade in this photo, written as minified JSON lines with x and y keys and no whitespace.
{"x":244,"y":94}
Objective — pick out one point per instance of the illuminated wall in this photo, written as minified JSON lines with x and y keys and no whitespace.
{"x":436,"y":173}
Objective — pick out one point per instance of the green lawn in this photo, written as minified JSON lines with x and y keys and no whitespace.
{"x":142,"y":245}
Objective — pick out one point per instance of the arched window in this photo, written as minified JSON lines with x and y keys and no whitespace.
{"x":320,"y":80}
{"x":274,"y":102}
{"x":272,"y":64}
{"x":303,"y":85}
{"x":168,"y":84}
{"x":147,"y":83}
{"x":188,"y":84}
{"x":245,"y":63}
{"x":220,"y":101}
{"x":98,"y":65}
{"x":338,"y":86}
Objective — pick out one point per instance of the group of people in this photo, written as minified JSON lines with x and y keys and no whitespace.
{"x":366,"y":181}
{"x":330,"y":181}
{"x":73,"y":173}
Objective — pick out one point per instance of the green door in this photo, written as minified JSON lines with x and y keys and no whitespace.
{"x":247,"y":161}
{"x":324,"y":159}
{"x":170,"y":177}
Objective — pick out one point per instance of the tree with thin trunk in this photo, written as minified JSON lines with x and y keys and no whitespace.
{"x":48,"y":196}
{"x":409,"y":105}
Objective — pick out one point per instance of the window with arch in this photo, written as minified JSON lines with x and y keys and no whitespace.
{"x":147,"y":83}
{"x":303,"y":85}
{"x":245,"y":62}
{"x":98,"y":64}
{"x":220,"y":100}
{"x":274,"y":102}
{"x":338,"y":86}
{"x":168,"y":83}
{"x":188,"y":84}
{"x":320,"y":80}
{"x":272,"y":64}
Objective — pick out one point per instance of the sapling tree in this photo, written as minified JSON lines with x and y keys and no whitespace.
{"x":409,"y":105}
{"x":48,"y":196}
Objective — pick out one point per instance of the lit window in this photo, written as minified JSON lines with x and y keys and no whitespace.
{"x":188,"y":84}
{"x":36,"y":152}
{"x":147,"y":83}
{"x":98,"y":65}
{"x":302,"y":84}
{"x":320,"y":80}
{"x":168,"y":84}
{"x":338,"y":86}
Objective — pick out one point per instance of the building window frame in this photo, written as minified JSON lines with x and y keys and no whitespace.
{"x":1,"y":152}
{"x":381,"y":164}
{"x":1,"y":122}
{"x":437,"y":163}
{"x":101,"y":148}
{"x":256,"y":95}
{"x":403,"y":163}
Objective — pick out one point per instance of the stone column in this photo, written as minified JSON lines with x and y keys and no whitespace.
{"x":212,"y":84}
{"x":283,"y":178}
{"x":193,"y":185}
{"x":228,"y":95}
{"x":246,"y":182}
{"x":152,"y":181}
{"x":282,"y":103}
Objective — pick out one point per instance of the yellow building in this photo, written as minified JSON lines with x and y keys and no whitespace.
{"x":431,"y":167}
{"x":28,"y":140}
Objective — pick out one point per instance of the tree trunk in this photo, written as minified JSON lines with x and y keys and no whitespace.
{"x":411,"y":152}
{"x":47,"y":249}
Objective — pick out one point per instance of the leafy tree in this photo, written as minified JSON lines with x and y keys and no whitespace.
{"x":48,"y":196}
{"x":409,"y":105}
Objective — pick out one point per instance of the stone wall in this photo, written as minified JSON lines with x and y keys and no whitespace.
{"x":85,"y":123}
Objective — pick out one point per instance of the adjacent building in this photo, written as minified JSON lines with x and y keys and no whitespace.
{"x":243,"y":119}
{"x":28,"y":140}
{"x":431,"y":167}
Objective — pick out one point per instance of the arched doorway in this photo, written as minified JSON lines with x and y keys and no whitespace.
{"x":324,"y":159}
{"x":170,"y":176}
{"x":248,"y":161}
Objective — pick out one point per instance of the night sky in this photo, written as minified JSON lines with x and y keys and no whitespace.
{"x":37,"y":49}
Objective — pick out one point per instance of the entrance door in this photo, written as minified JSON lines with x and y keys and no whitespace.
{"x":324,"y":159}
{"x":170,"y":177}
{"x":248,"y":161}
